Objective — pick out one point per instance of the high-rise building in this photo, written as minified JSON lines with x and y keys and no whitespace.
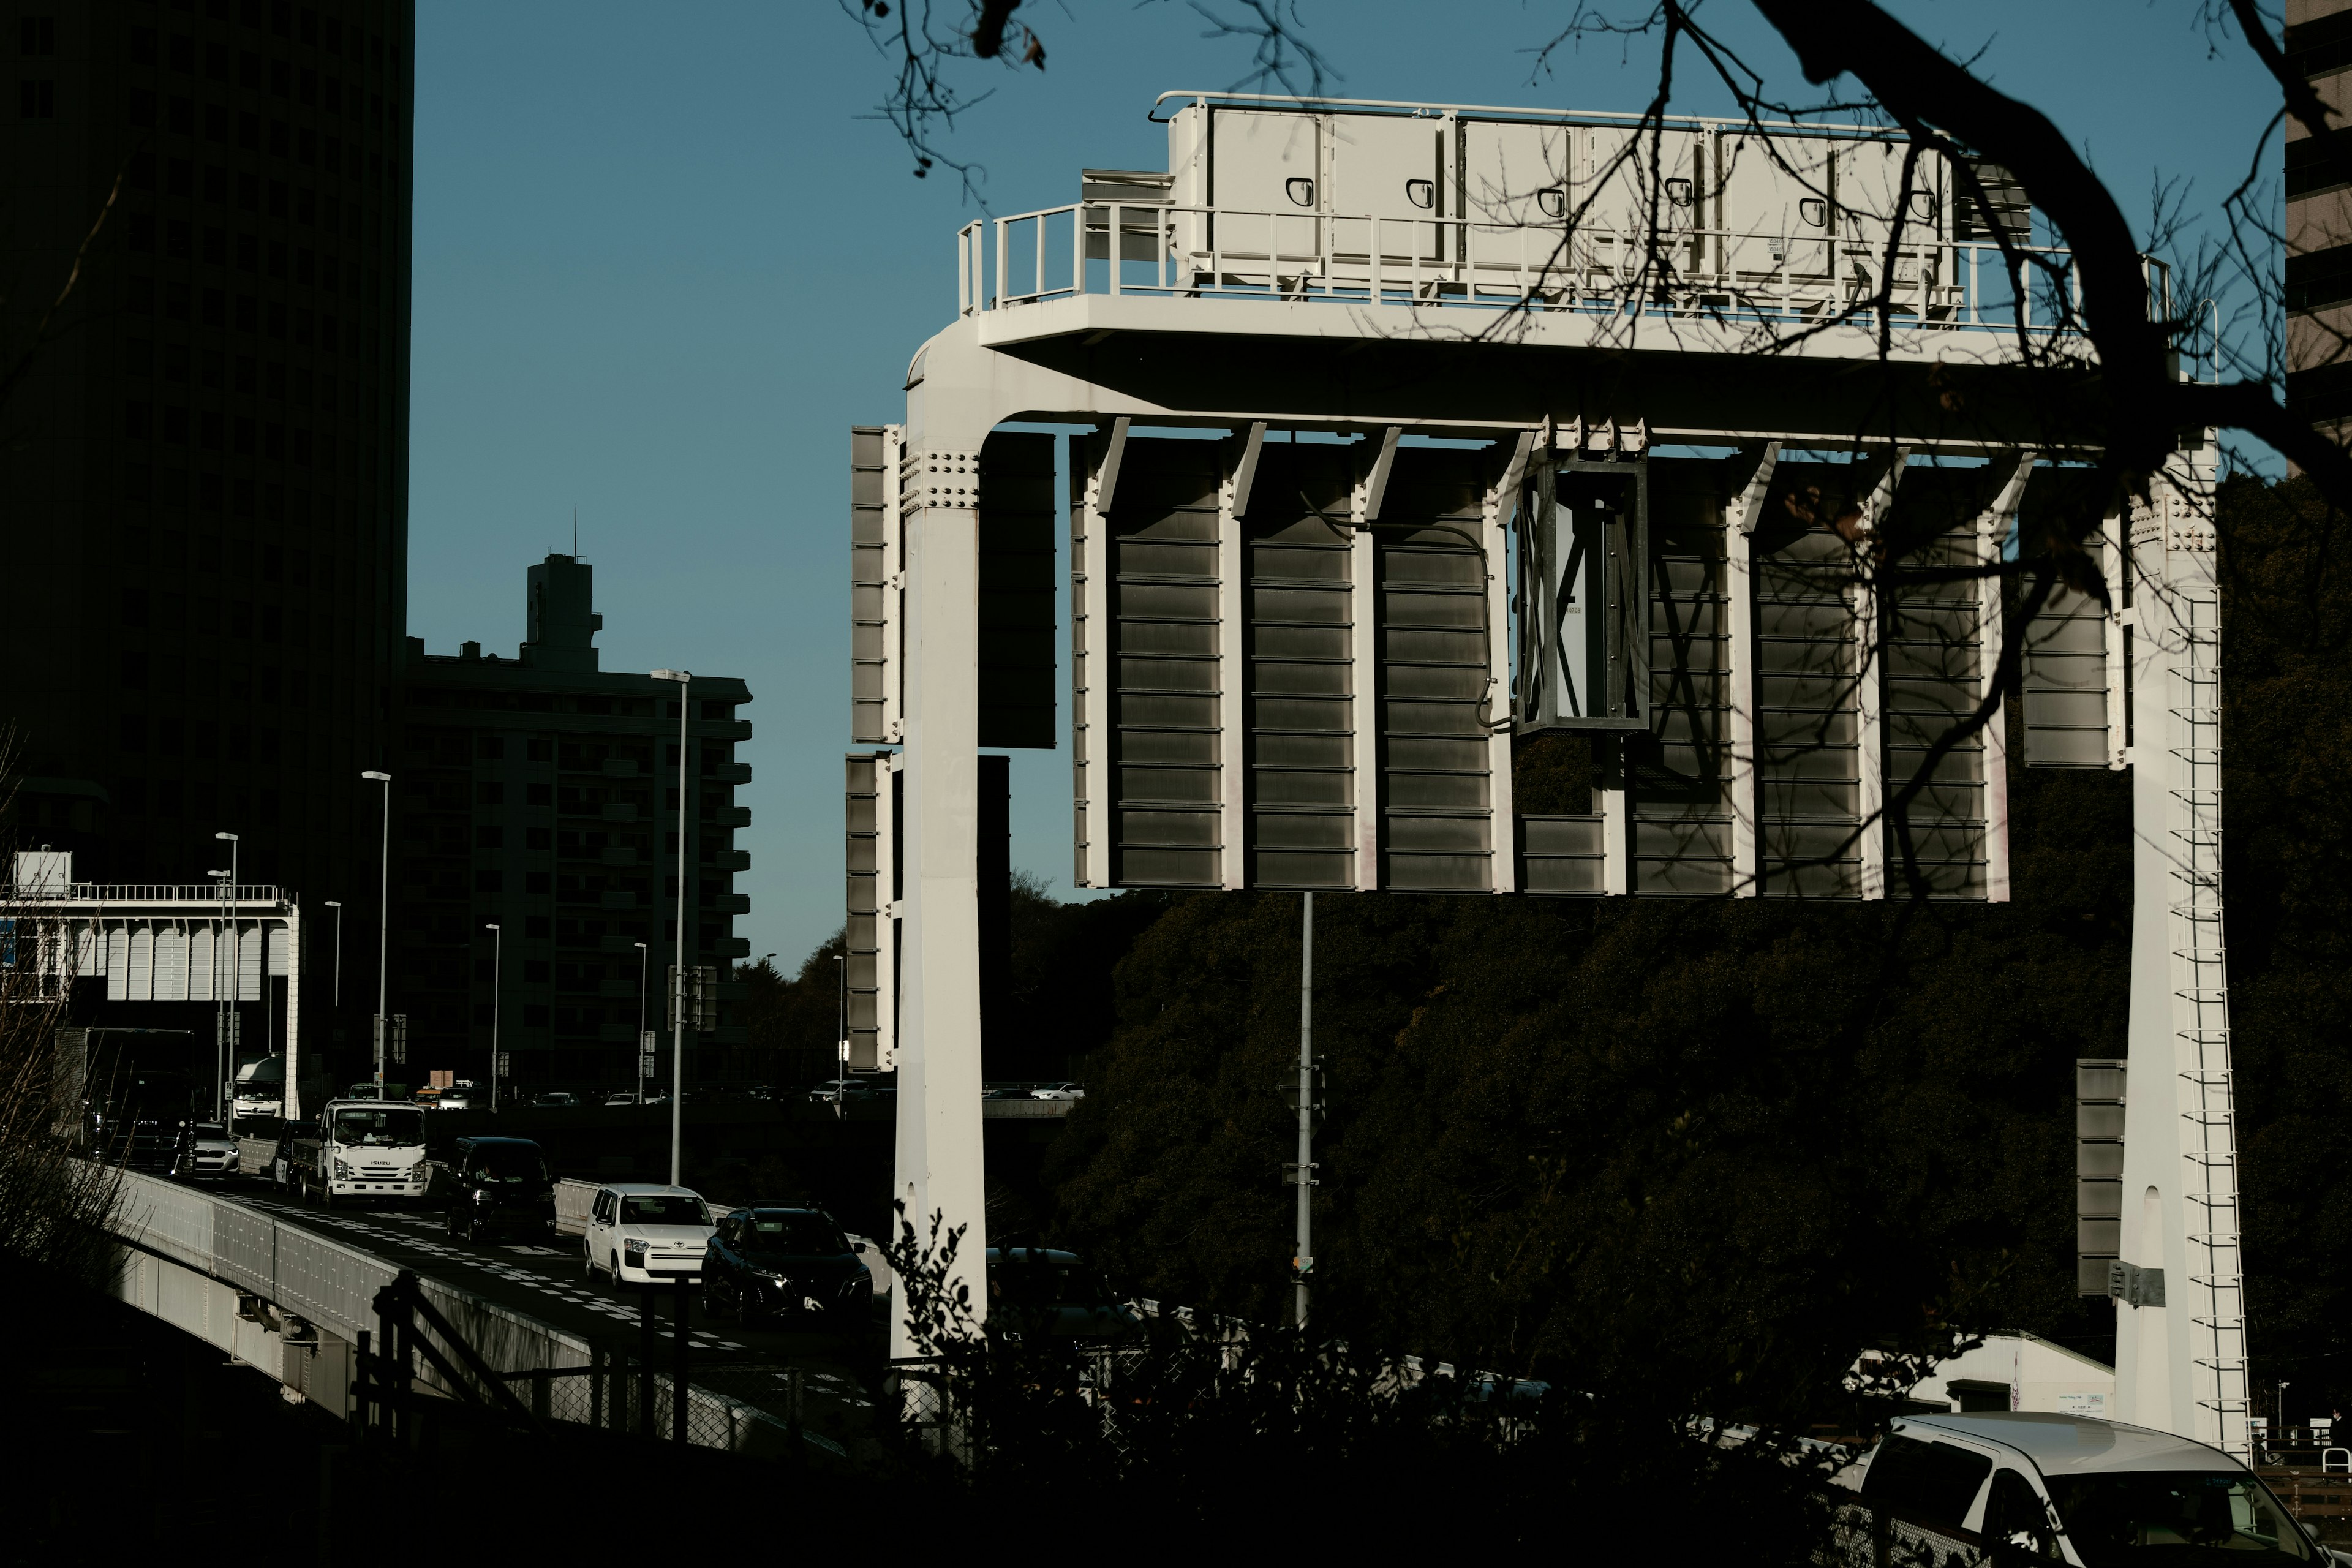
{"x":540,"y":795}
{"x":203,"y":460}
{"x":2319,"y":223}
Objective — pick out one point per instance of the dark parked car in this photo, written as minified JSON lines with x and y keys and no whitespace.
{"x":786,"y":1262}
{"x":500,"y":1187}
{"x":1036,"y":1292}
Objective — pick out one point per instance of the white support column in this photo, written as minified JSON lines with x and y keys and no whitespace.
{"x":1742,"y":514}
{"x":1095,"y":660}
{"x":1992,"y":538}
{"x":1233,"y":671}
{"x":1364,"y":654}
{"x":2180,"y":1367}
{"x":1502,"y":506}
{"x":1870,"y":691}
{"x":2115,"y":559}
{"x":939,"y":1162}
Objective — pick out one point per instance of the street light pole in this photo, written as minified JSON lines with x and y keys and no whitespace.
{"x":382,"y":928}
{"x":1303,"y":1267}
{"x":220,"y":1005}
{"x":338,"y":950}
{"x":684,"y":679}
{"x":840,"y":1021}
{"x":498,"y":951}
{"x":236,"y":984}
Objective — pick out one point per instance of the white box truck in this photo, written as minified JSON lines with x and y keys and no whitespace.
{"x":359,"y":1149}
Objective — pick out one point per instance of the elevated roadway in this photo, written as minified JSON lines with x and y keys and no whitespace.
{"x":285,"y":1288}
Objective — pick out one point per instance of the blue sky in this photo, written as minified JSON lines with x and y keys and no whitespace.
{"x":663,"y":262}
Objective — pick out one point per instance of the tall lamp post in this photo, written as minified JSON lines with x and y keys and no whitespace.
{"x":338,"y":950}
{"x":383,"y":926}
{"x":235,"y":981}
{"x":498,"y":952}
{"x":221,"y":1007}
{"x":684,"y":679}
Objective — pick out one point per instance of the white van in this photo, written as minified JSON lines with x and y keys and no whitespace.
{"x":2022,"y":1488}
{"x":642,"y":1234}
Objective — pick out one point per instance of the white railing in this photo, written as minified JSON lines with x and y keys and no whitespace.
{"x":152,"y":893}
{"x":1190,"y":252}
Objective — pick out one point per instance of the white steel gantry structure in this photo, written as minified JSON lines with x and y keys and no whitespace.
{"x":1406,"y":428}
{"x":161,"y":943}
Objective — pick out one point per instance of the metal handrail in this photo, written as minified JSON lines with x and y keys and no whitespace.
{"x":1435,"y":261}
{"x":156,"y":893}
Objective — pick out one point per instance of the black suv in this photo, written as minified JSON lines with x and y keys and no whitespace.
{"x":500,"y":1187}
{"x":765,"y":1262}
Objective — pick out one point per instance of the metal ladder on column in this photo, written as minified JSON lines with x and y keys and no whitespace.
{"x":2201,"y":1015}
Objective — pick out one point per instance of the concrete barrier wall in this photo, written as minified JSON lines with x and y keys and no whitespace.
{"x":192,"y":1254}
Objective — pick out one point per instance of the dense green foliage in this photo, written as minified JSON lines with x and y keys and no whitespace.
{"x":1723,"y":1145}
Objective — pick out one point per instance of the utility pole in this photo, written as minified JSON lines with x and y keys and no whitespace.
{"x":383,"y":929}
{"x":678,"y":973}
{"x":1302,"y":1267}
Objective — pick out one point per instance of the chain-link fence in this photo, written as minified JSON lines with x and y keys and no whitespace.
{"x":617,"y":1396}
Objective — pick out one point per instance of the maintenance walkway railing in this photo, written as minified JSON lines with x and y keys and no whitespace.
{"x":1781,"y":281}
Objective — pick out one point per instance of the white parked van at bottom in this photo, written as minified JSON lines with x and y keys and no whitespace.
{"x":2021,"y":1486}
{"x":643,"y":1234}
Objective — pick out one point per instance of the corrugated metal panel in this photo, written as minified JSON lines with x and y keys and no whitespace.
{"x":140,"y":987}
{"x":171,"y":964}
{"x":2067,"y":676}
{"x":873,"y":642}
{"x":248,"y":955}
{"x":872,"y":932}
{"x":2099,"y":1087}
{"x":1436,"y":797}
{"x":1808,"y":691}
{"x":1562,"y":856}
{"x":1934,"y":656}
{"x":205,"y":953}
{"x":1017,"y":590}
{"x":1164,"y":707}
{"x":1301,"y":806}
{"x":1677,"y":789}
